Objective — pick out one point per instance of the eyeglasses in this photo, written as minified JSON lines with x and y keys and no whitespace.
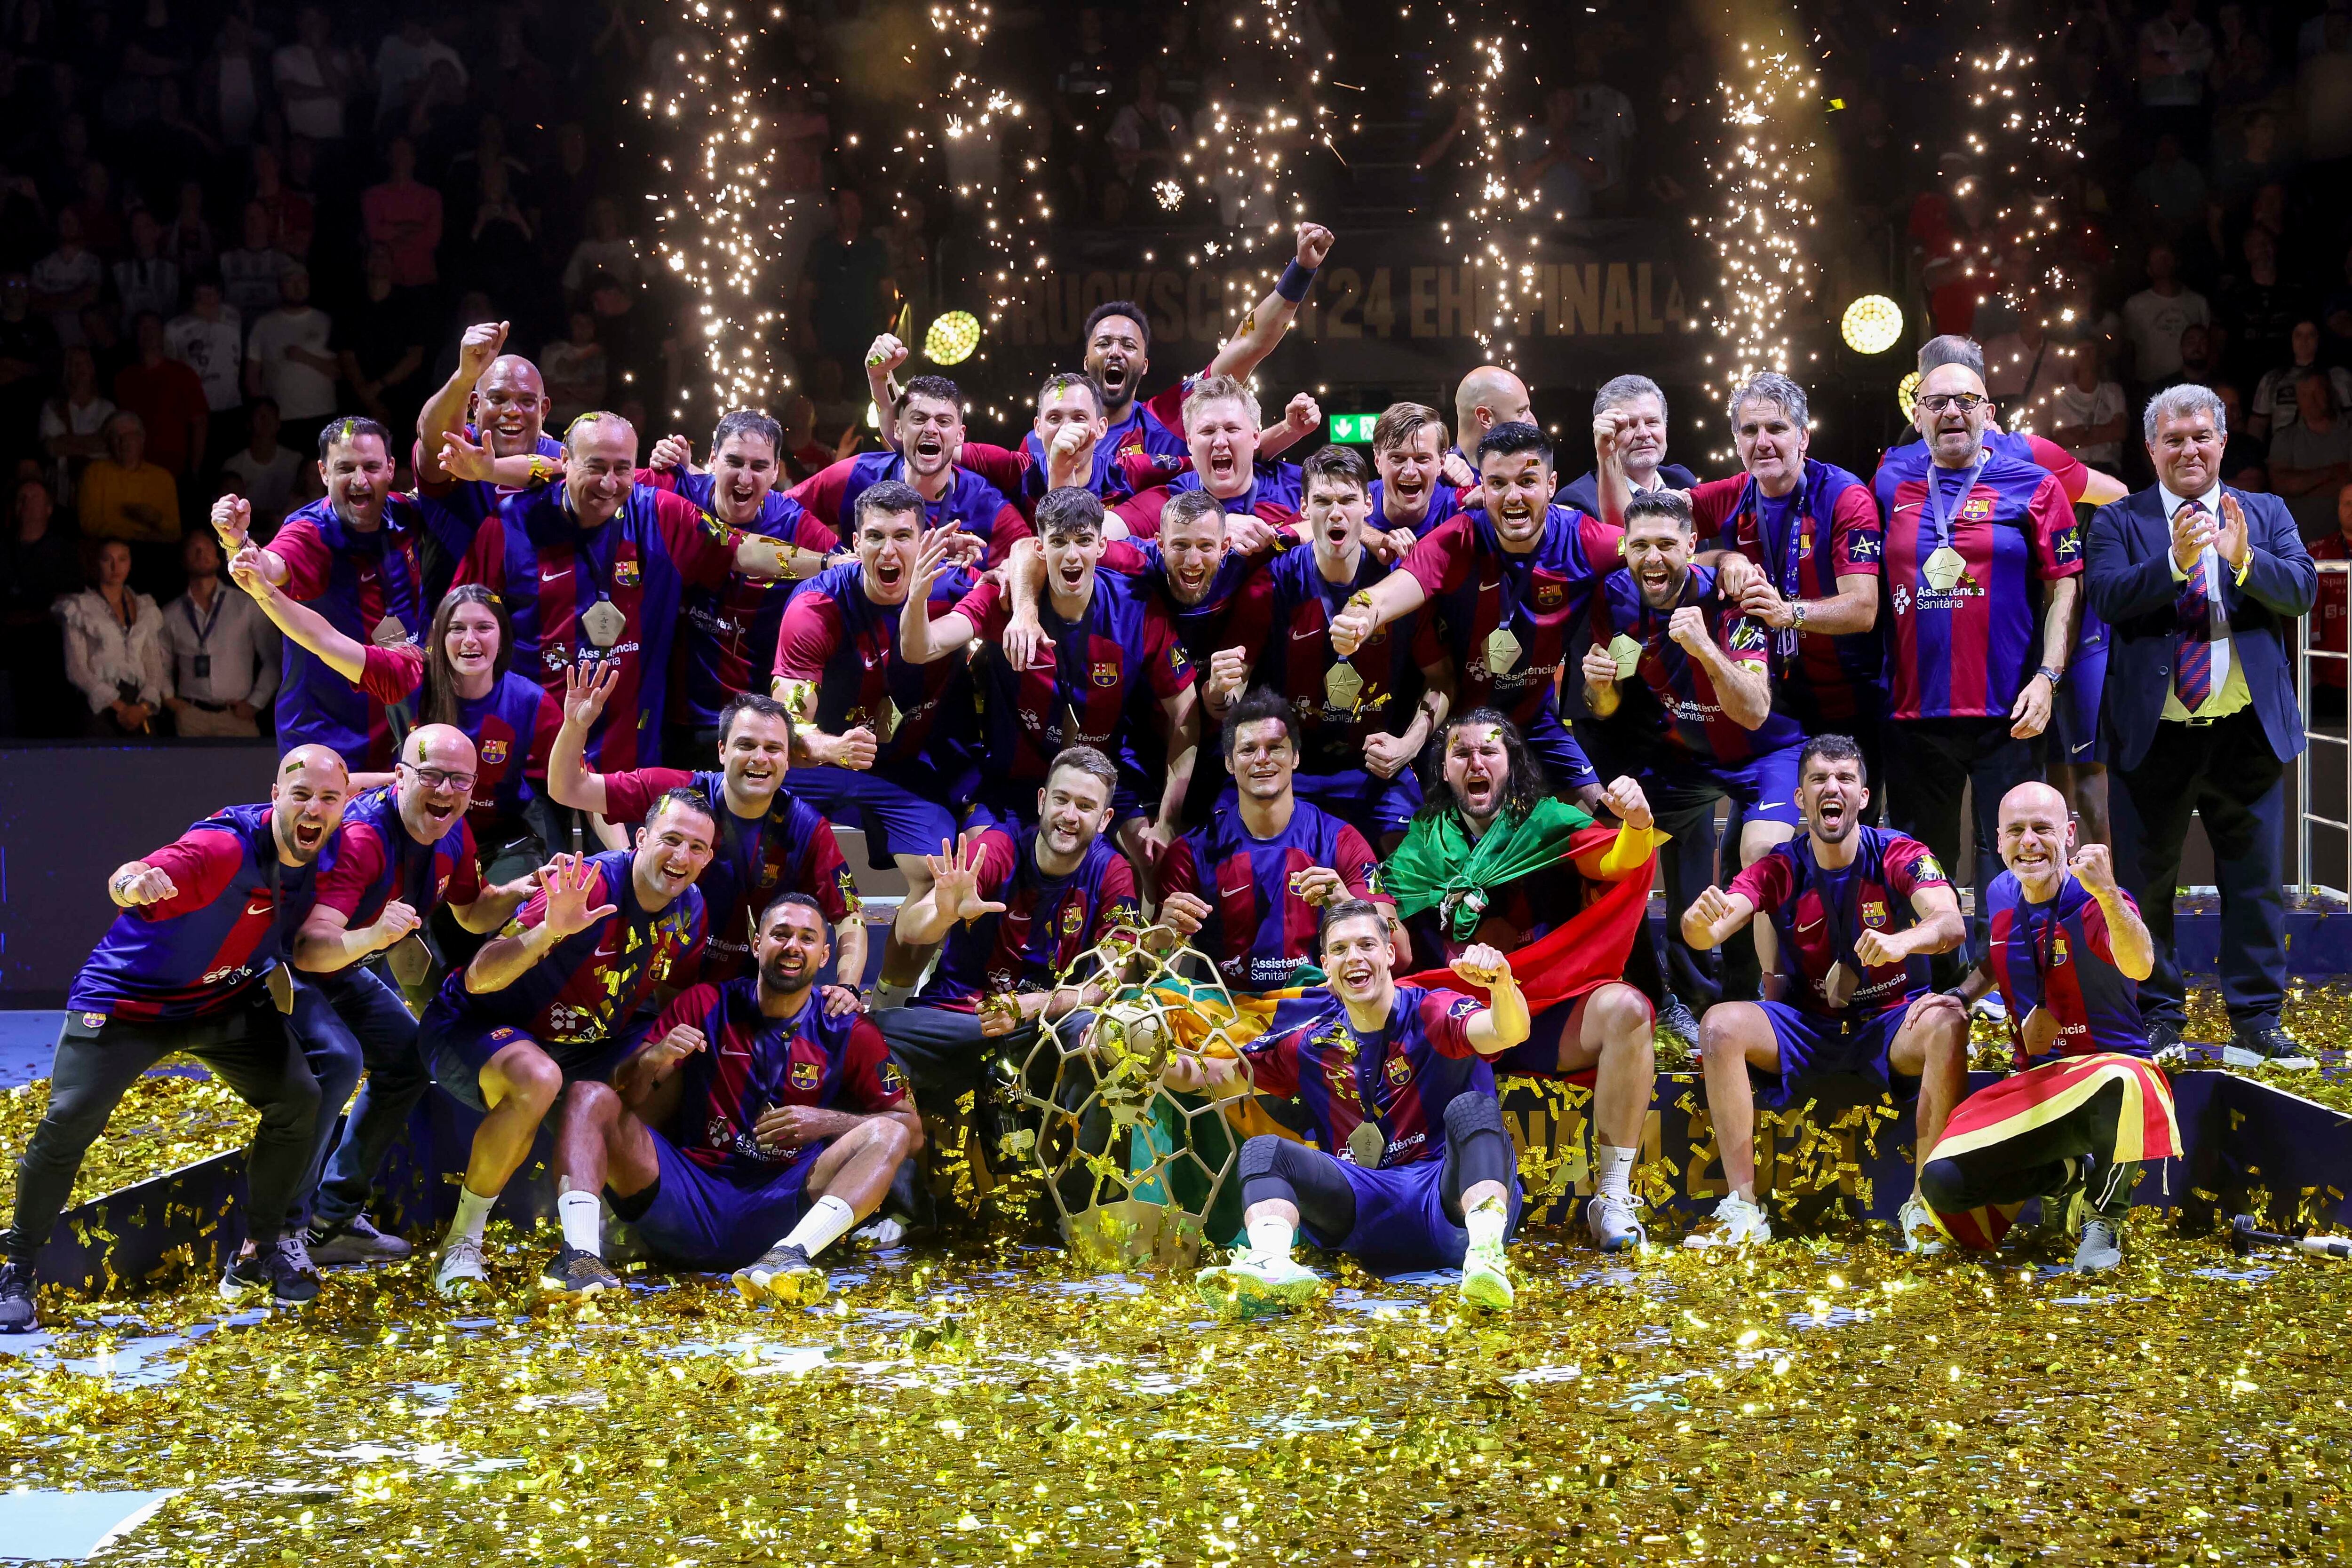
{"x":441,"y":777}
{"x":1967,"y":403}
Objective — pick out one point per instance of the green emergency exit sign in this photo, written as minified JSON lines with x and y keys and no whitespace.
{"x":1353,"y":427}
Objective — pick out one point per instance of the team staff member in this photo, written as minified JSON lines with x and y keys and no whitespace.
{"x":1702,"y":715}
{"x":194,"y":964}
{"x":2199,"y":582}
{"x":2085,"y":1107}
{"x":406,"y":852}
{"x":1854,"y":912}
{"x":1982,"y":559}
{"x":553,"y":998}
{"x":1245,"y":888}
{"x":497,"y":399}
{"x":1415,"y":1170}
{"x":470,"y":685}
{"x":770,"y":841}
{"x":1636,"y":407}
{"x":752,"y":1129}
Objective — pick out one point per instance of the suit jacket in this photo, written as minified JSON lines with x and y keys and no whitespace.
{"x":2128,"y":568}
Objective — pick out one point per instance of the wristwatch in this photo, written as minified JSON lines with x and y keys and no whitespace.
{"x":1797,"y":614}
{"x":2055,"y":677}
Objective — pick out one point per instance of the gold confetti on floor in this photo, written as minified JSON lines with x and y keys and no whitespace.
{"x":166,"y":1120}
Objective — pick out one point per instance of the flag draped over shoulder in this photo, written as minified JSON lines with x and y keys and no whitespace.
{"x":1439,"y":865}
{"x":1591,"y":947}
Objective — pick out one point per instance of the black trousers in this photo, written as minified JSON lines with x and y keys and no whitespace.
{"x":2034,"y":1164}
{"x":249,"y":1048}
{"x":1929,"y":761}
{"x":2226,"y":773}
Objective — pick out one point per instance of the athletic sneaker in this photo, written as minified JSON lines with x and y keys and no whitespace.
{"x":1614,"y":1225}
{"x":282,"y":1269}
{"x":785,"y":1274}
{"x":1675,"y":1019}
{"x":1915,"y":1229}
{"x":460,"y":1268}
{"x":17,"y":1312}
{"x":884,"y":1232}
{"x":1485,"y":1280}
{"x":1736,"y":1223}
{"x":1990,"y":1006}
{"x":578,"y":1273}
{"x":1252,"y":1285}
{"x":2102,"y":1248}
{"x":355,"y":1241}
{"x":2059,"y":1224}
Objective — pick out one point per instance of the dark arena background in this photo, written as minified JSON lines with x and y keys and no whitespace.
{"x":230,"y":227}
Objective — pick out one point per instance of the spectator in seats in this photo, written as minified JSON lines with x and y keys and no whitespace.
{"x":292,"y":218}
{"x":232,"y":87}
{"x":26,"y":349}
{"x":2312,"y":458}
{"x":905,"y":238}
{"x":566,"y":185}
{"x":147,"y":280}
{"x":168,"y":398}
{"x":263,"y":471}
{"x":403,"y":216}
{"x":804,"y":455}
{"x":223,"y":651}
{"x":114,"y":652}
{"x":605,"y":249}
{"x":1147,"y":134}
{"x":633,"y":348}
{"x":104,"y":337}
{"x":2025,"y":369}
{"x":2155,"y":318}
{"x":379,"y":347}
{"x":802,"y":132}
{"x":316,"y":80}
{"x":1947,"y":228}
{"x":2198,"y":363}
{"x":842,"y":292}
{"x":2275,"y":406}
{"x":288,"y":359}
{"x":2328,"y":616}
{"x":2174,"y":52}
{"x":403,"y":62}
{"x":1555,"y":173}
{"x":502,"y":246}
{"x":73,"y":423}
{"x":2243,"y":463}
{"x":39,"y":564}
{"x":2087,"y":415}
{"x":189,"y":243}
{"x":94,"y":209}
{"x":124,"y":496}
{"x":2324,"y":87}
{"x":66,"y":279}
{"x":2169,"y":191}
{"x":2259,"y":310}
{"x":575,"y":371}
{"x":253,"y":275}
{"x":210,"y":340}
{"x":1604,"y":129}
{"x":837,"y":409}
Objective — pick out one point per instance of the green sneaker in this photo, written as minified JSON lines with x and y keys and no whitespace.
{"x":1486,"y":1281}
{"x":1252,"y":1286}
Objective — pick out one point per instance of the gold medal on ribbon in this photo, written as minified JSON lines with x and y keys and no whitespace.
{"x":389,"y":632}
{"x":1502,"y":651}
{"x":410,"y":960}
{"x":2038,"y":1032}
{"x":1943,"y":569}
{"x":1839,"y":985}
{"x":1365,"y":1144}
{"x":280,"y":981}
{"x":1342,"y":686}
{"x":891,"y":716}
{"x":603,"y":624}
{"x":1628,"y":654}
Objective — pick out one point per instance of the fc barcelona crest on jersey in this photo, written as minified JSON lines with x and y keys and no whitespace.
{"x":1106,"y":674}
{"x":494,"y":752}
{"x":1073,"y":918}
{"x":1977,"y":509}
{"x":625,"y":573}
{"x":804,"y":1075}
{"x":1874,"y":912}
{"x":1549,"y":594}
{"x":1400,"y":1071}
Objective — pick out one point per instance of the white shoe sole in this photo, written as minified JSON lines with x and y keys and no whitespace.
{"x":1233,"y":1295}
{"x":757,"y":1287}
{"x":1487,"y":1292}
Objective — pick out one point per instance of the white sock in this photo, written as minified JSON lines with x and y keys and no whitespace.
{"x":887,"y":994}
{"x":828,"y":1219}
{"x":1616,"y":1170}
{"x":1270,"y":1235}
{"x":582,"y":1214}
{"x":473,"y":1214}
{"x":1486,"y":1222}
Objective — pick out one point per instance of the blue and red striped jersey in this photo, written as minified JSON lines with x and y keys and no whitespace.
{"x":1201,"y":628}
{"x":970,"y":502}
{"x":846,"y":647}
{"x":727,"y":635}
{"x":233,"y":912}
{"x":1259,"y":932}
{"x":377,"y":860}
{"x":513,"y":729}
{"x":593,"y":983}
{"x":1475,"y":586}
{"x":791,"y":850}
{"x":750,"y":1064}
{"x":1046,"y":923}
{"x":355,"y":578}
{"x":1678,"y":685}
{"x":1967,"y":651}
{"x":1400,"y":1077}
{"x":1802,"y":542}
{"x":2058,"y":955}
{"x":1283,"y":614}
{"x":1110,"y":670}
{"x":1273,"y":497}
{"x":1817,"y":913}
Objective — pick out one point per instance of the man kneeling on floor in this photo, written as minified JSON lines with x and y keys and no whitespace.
{"x":751,"y":1131}
{"x":1420,"y":1173}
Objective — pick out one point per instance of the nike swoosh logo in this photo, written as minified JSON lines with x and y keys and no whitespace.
{"x":1908,"y":506}
{"x":551,"y":576}
{"x":1233,"y":892}
{"x":1816,"y":925}
{"x":1301,"y":636}
{"x":1484,"y":586}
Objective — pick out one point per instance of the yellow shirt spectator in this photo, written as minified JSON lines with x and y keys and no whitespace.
{"x":123,"y":496}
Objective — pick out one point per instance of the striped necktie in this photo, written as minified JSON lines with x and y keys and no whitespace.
{"x":2192,"y":606}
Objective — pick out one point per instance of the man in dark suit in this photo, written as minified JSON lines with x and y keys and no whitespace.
{"x":2199,"y":582}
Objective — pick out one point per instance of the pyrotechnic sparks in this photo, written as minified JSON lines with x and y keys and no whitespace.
{"x":1759,"y":232}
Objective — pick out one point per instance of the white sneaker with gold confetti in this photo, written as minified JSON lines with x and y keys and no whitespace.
{"x":1487,"y":1279}
{"x":1915,"y":1229}
{"x":1738,"y":1222}
{"x":1254,"y":1285}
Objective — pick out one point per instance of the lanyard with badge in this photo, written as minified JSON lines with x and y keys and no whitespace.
{"x":409,"y":958}
{"x":1944,"y":566}
{"x":2039,"y":1030}
{"x":1784,"y":559}
{"x":201,"y":662}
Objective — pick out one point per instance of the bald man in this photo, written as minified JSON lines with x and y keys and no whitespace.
{"x":1487,"y":397}
{"x":193,"y":963}
{"x":499,"y":399}
{"x":2085,"y":1107}
{"x":406,"y":849}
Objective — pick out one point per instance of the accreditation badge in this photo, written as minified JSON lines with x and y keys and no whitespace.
{"x":603,"y":624}
{"x":1943,"y":569}
{"x":1502,"y":651}
{"x":1342,"y":686}
{"x":1628,"y":654}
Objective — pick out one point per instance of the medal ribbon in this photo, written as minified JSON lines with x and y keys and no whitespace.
{"x":1783,"y":558}
{"x":1935,"y":503}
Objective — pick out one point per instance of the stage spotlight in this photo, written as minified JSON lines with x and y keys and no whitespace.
{"x":952,"y":338}
{"x":1907,"y":392}
{"x":1873,"y":324}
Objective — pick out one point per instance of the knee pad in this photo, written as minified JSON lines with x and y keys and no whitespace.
{"x":1262,"y":1155}
{"x":1940,"y":1182}
{"x":1467,"y":1115}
